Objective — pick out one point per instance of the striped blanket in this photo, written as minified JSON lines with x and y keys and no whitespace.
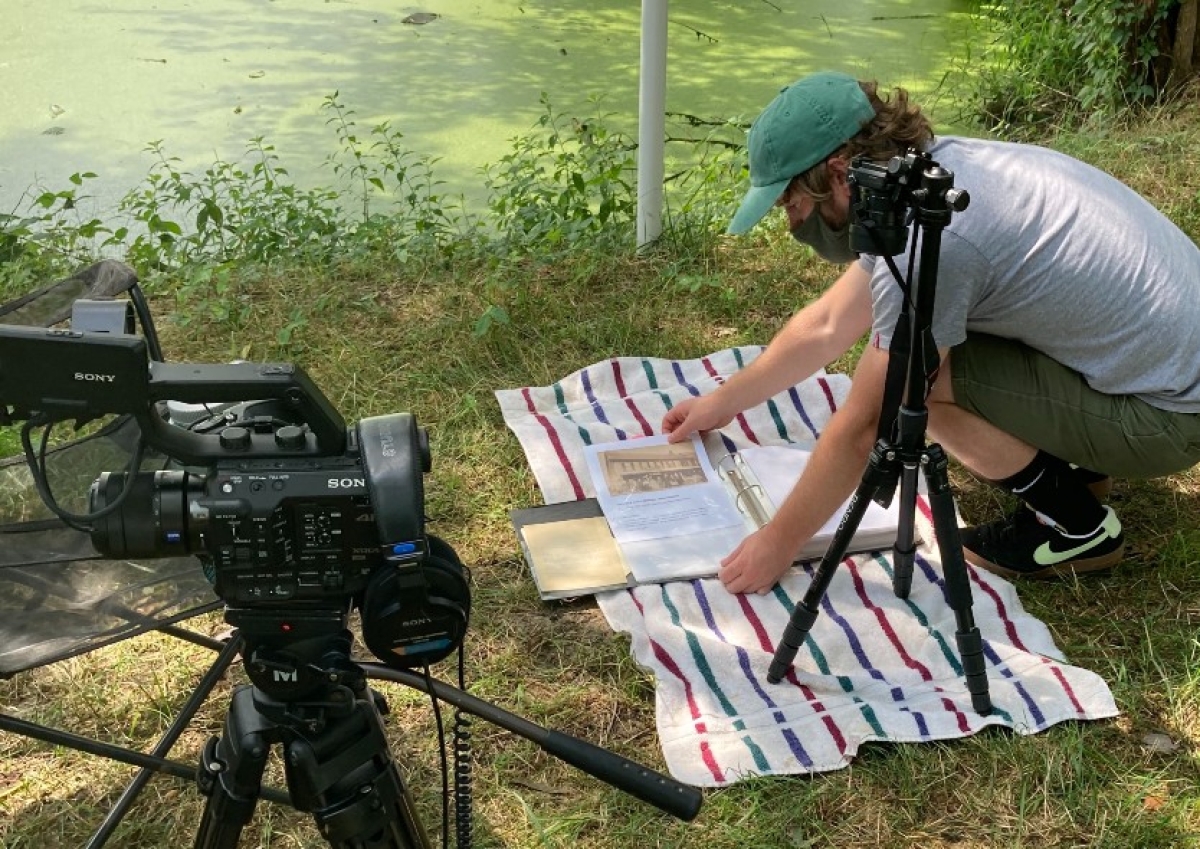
{"x":874,"y":667}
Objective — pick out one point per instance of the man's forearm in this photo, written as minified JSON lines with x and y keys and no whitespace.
{"x":797,"y":352}
{"x":832,"y":474}
{"x":838,"y":460}
{"x":811,"y":340}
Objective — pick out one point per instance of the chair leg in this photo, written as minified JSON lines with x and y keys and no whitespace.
{"x":214,"y":674}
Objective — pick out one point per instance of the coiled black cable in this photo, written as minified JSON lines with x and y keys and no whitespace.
{"x":461,"y":743}
{"x":36,"y":460}
{"x":462,"y":780}
{"x":462,"y":766}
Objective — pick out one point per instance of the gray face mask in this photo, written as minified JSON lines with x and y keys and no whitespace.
{"x":832,"y":245}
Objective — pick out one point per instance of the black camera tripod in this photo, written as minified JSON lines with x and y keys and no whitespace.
{"x":313,"y":700}
{"x":898,"y":459}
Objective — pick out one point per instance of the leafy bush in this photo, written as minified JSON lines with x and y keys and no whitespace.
{"x":703,"y":194}
{"x":1055,"y":61}
{"x":571,"y":180}
{"x":48,"y":237}
{"x":566,"y":189}
{"x":232,"y":211}
{"x":402,"y":207}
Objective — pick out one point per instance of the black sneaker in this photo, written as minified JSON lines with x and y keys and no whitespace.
{"x":1023,"y":546}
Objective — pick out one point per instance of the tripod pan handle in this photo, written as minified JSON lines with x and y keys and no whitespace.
{"x":663,"y":792}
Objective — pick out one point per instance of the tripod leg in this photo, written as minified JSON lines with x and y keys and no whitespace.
{"x":347,"y":779}
{"x":905,"y":550}
{"x":958,"y":586}
{"x":231,"y":771}
{"x":880,"y":472}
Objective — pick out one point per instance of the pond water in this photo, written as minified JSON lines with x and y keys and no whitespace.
{"x":85,"y":85}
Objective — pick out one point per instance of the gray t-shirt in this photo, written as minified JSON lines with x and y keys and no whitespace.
{"x":1068,"y":260}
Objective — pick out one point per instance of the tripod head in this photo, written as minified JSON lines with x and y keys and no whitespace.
{"x":885,"y":197}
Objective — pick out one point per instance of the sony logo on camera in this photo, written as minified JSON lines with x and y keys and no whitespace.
{"x":91,"y":377}
{"x":346,"y":483}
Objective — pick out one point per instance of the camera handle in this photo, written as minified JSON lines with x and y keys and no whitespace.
{"x":898,"y":459}
{"x":665,"y":793}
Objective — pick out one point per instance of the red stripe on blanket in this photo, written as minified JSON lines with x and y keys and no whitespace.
{"x":824,"y":384}
{"x":880,"y":615}
{"x":669,"y":664}
{"x":764,"y":643}
{"x":576,"y":487}
{"x":647,"y":430}
{"x":746,"y":429}
{"x":617,"y":377}
{"x":1066,"y":685}
{"x":712,"y":370}
{"x":1010,"y":627}
{"x":964,"y":727}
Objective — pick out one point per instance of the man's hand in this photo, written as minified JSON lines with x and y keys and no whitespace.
{"x":694,"y":414}
{"x":756,"y":565}
{"x":830,"y":477}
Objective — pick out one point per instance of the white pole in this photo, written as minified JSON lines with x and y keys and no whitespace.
{"x":652,"y":109}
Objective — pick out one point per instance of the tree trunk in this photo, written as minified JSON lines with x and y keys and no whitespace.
{"x":1185,"y":47}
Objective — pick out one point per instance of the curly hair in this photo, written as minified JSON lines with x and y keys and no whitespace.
{"x":898,"y":125}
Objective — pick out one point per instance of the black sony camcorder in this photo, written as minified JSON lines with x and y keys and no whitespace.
{"x":296,"y":518}
{"x":274,"y":530}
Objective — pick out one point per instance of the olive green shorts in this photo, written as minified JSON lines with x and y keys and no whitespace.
{"x":1042,"y":402}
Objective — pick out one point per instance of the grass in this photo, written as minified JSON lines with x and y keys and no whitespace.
{"x":385,"y":337}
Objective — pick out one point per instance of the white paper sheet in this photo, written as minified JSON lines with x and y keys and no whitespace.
{"x":649,"y":489}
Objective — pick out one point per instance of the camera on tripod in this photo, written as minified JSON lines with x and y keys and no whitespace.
{"x":885,"y":197}
{"x":296,"y":518}
{"x":298,"y":522}
{"x":884,"y":201}
{"x":880,"y":199}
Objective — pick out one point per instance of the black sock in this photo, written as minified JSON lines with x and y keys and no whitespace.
{"x":1087,"y":475}
{"x":1050,"y":487}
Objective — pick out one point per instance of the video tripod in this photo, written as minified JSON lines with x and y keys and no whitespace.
{"x":311,"y":699}
{"x":881,"y":200}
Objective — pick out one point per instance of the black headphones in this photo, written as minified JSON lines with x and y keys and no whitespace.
{"x":416,"y":607}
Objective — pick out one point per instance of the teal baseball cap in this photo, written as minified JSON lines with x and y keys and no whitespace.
{"x":805,"y":123}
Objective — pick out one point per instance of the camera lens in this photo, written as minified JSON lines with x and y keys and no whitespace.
{"x":152,"y":521}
